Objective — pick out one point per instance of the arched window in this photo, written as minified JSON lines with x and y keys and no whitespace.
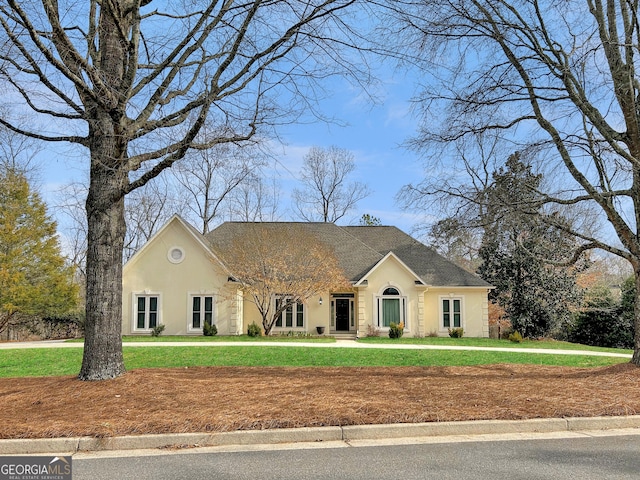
{"x":391,"y":308}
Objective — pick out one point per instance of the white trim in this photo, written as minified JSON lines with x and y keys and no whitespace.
{"x":190,"y":230}
{"x":176,"y":254}
{"x":384,"y":259}
{"x":201,"y":294}
{"x":451,"y":297}
{"x":377,"y":305}
{"x":294,"y":318}
{"x":351,"y":322}
{"x":134,"y":310}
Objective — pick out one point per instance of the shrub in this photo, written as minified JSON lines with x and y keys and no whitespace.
{"x":372,"y":331}
{"x":604,"y":321}
{"x":396,"y":330}
{"x":254,"y":330}
{"x":209,"y":330}
{"x":515,"y":337}
{"x":456,"y":332}
{"x":157,"y":330}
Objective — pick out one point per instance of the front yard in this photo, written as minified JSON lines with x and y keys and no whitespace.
{"x":211,"y":387}
{"x":210,"y":399}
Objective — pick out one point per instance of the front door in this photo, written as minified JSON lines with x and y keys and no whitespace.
{"x":342,"y":314}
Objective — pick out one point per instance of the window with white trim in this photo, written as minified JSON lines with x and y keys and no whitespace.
{"x":391,"y":307}
{"x":293,"y":316}
{"x":202,"y":307}
{"x":451,"y":313}
{"x":146,"y":312}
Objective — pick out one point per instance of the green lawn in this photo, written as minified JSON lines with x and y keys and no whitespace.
{"x":66,"y":361}
{"x":229,"y":338}
{"x":490,"y":342}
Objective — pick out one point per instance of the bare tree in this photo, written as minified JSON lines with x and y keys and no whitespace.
{"x":560,"y":75}
{"x":255,"y":200}
{"x":146,"y":210}
{"x":327,"y":196}
{"x":18,"y":153}
{"x":276,"y":259}
{"x":208,"y":177}
{"x":123,"y":78}
{"x":69,"y":203}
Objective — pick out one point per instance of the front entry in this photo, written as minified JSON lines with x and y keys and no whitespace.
{"x":342,"y":314}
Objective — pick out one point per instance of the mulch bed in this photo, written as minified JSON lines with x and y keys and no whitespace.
{"x":215,"y":399}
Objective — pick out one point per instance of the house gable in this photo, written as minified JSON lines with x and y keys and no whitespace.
{"x":382,"y":266}
{"x":177,"y":232}
{"x":174,"y":266}
{"x":430,"y":266}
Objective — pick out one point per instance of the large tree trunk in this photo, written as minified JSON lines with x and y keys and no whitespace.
{"x":635,"y":359}
{"x":106,"y":230}
{"x":106,"y":225}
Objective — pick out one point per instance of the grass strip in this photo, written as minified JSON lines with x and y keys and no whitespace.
{"x":66,"y":361}
{"x":227,"y":338}
{"x":490,"y":342}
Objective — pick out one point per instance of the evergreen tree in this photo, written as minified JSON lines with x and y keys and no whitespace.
{"x":518,"y":250}
{"x":34,"y":279}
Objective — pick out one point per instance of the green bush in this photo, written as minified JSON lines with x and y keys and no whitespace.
{"x":209,"y":330}
{"x":396,"y":330}
{"x":605,"y":322}
{"x":515,"y":337}
{"x":456,"y":332}
{"x":254,"y":330}
{"x":157,"y":330}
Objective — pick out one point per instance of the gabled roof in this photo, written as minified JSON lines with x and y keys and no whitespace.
{"x":359,"y":249}
{"x":197,"y":236}
{"x":428,"y":264}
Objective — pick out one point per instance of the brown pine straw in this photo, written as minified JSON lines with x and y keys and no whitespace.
{"x":216,"y":399}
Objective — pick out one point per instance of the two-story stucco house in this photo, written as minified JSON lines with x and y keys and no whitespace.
{"x":177,"y":280}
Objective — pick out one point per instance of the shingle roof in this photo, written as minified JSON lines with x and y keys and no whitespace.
{"x":429,"y":265}
{"x":359,"y":249}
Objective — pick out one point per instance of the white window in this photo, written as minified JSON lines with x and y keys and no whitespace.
{"x":201,"y":307}
{"x":175,"y":255}
{"x":391,"y":307}
{"x":451,"y":313}
{"x":293,"y":316}
{"x":146,"y":311}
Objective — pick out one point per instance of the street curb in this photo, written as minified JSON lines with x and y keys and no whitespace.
{"x":314,"y":434}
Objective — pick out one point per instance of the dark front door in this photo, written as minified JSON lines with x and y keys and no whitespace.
{"x":342,"y":314}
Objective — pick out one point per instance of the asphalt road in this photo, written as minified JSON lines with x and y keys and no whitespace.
{"x":584,"y":458}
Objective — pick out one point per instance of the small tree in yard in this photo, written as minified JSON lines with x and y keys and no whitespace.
{"x":33,"y":277}
{"x":274,"y":260}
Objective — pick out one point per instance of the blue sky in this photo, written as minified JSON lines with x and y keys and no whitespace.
{"x":373,"y":132}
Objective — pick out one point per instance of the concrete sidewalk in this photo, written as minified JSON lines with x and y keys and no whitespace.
{"x":337,"y":344}
{"x":417,"y":432}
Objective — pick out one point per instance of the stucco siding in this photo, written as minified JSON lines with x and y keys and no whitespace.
{"x":392,"y":273}
{"x":314,"y":315}
{"x":475,"y":318}
{"x":153,"y":273}
{"x":177,"y":265}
